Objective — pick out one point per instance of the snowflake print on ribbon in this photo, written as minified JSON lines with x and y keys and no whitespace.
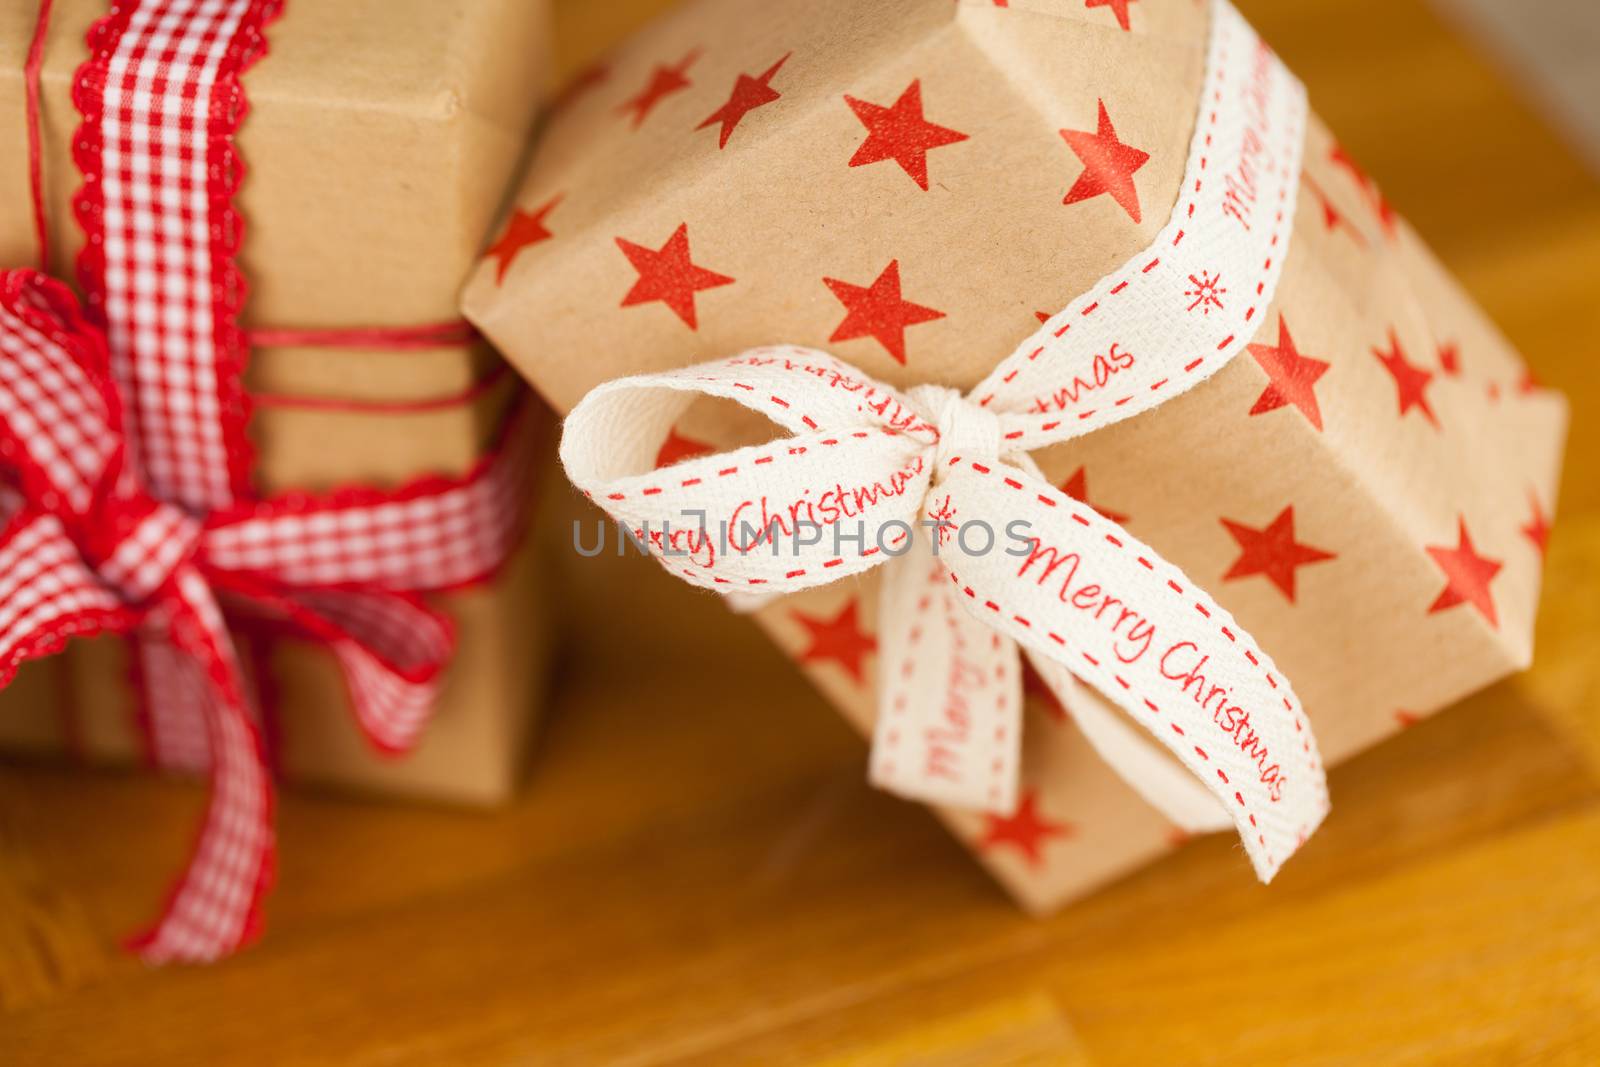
{"x":1206,"y":291}
{"x":945,"y":516}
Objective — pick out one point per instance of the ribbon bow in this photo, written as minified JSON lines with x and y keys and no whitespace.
{"x":86,"y":549}
{"x":981,"y":554}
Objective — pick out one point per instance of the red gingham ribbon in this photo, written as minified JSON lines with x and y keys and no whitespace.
{"x":123,"y":429}
{"x":86,"y":548}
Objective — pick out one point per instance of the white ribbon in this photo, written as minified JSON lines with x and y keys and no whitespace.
{"x":913,"y":480}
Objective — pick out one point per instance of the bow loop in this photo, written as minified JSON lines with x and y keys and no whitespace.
{"x":60,"y":421}
{"x":392,"y":648}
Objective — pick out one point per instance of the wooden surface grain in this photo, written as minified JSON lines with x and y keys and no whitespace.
{"x":684,"y":883}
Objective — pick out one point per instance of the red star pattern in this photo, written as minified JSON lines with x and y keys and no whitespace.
{"x":838,"y":639}
{"x":1369,"y":188}
{"x":1118,"y":8}
{"x":664,"y":81}
{"x":1450,"y":359}
{"x":669,"y":275}
{"x":1026,"y":831}
{"x":1467,"y":575}
{"x":522,"y":230}
{"x":878,"y":311}
{"x":1406,"y":719}
{"x":677,"y":448}
{"x":1410,"y":381}
{"x":748,"y":94}
{"x":1293,"y":377}
{"x":1077,"y":487}
{"x":587,"y":78}
{"x":1108,"y":165}
{"x":1537,"y":529}
{"x":1272,"y":551}
{"x":901,"y":133}
{"x":1332,"y":217}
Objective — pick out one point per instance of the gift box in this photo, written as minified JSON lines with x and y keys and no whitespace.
{"x":268,"y":209}
{"x":996,"y":222}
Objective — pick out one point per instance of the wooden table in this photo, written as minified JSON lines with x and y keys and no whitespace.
{"x":686,"y":884}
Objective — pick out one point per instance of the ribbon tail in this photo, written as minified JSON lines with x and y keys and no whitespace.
{"x":949,"y":721}
{"x":47,"y":595}
{"x":1163,"y":783}
{"x":215,"y":909}
{"x":1075,"y":588}
{"x":392,"y":649}
{"x":172,"y":698}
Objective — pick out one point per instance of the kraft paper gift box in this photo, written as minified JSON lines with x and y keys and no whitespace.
{"x":914,"y":186}
{"x":380,"y":140}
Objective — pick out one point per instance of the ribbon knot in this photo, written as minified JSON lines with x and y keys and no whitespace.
{"x":136,"y":543}
{"x":965,"y":429}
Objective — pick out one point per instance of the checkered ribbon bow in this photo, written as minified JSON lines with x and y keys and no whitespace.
{"x":871,"y":476}
{"x":87,"y":549}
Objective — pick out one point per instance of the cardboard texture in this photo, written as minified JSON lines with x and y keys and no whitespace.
{"x":380,"y":140}
{"x":980,"y":219}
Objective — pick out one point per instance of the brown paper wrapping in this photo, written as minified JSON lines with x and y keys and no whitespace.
{"x":380,"y":139}
{"x":989,"y":242}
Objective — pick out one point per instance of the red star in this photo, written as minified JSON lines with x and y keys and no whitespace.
{"x":664,"y":81}
{"x":1380,"y":204}
{"x":748,"y":94}
{"x":1467,"y":576}
{"x":677,"y":448}
{"x":1272,"y":551}
{"x":1450,"y":359}
{"x":839,"y":639}
{"x":1077,"y":487}
{"x":900,"y":133}
{"x":1406,"y":719}
{"x":523,"y":229}
{"x":1537,"y":531}
{"x":1293,"y":377}
{"x":1410,"y":380}
{"x":1026,"y":831}
{"x":669,"y":275}
{"x":586,"y":79}
{"x":878,"y":311}
{"x":1118,"y":8}
{"x":1332,"y":217}
{"x":1108,"y":165}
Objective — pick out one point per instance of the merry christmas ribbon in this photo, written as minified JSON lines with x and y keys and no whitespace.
{"x":123,"y":429}
{"x":982,"y":555}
